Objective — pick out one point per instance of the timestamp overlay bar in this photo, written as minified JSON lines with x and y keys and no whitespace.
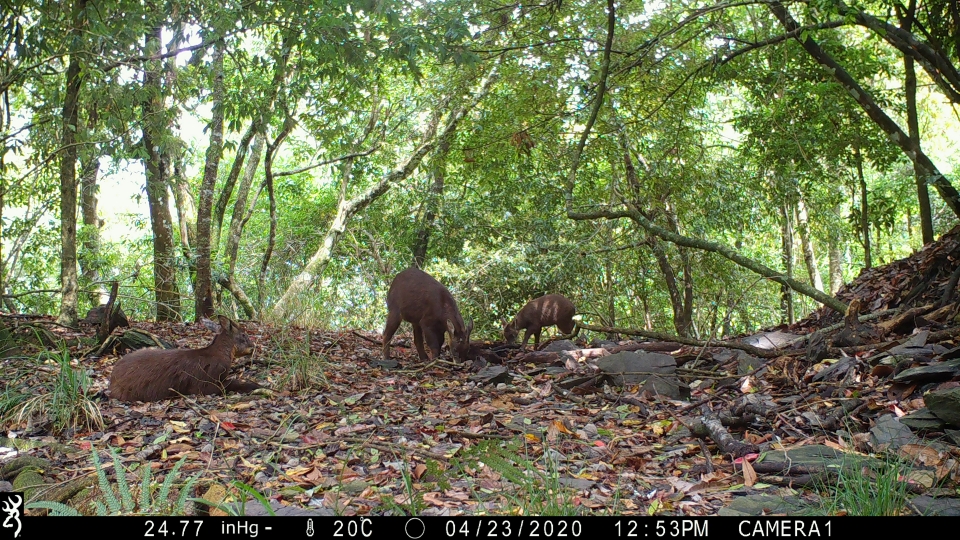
{"x":460,"y":527}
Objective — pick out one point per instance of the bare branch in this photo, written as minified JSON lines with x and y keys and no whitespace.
{"x":328,"y":162}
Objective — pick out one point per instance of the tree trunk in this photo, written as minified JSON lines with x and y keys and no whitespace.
{"x":90,"y":256}
{"x":835,"y":257}
{"x":288,"y":125}
{"x":283,"y":310}
{"x":68,"y":174}
{"x":681,"y":303}
{"x":806,"y":244}
{"x":928,"y":170}
{"x":786,"y":232}
{"x":3,"y":265}
{"x":223,"y":198}
{"x":431,"y":204}
{"x":686,"y":316}
{"x":204,"y":286}
{"x":864,"y":209}
{"x":237,"y":219}
{"x":913,"y":126}
{"x":156,"y":164}
{"x":186,"y":216}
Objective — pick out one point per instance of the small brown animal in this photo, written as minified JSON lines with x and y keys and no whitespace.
{"x":154,"y":374}
{"x":540,"y":312}
{"x":417,"y":298}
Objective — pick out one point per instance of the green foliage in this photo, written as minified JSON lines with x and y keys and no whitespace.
{"x":301,"y":368}
{"x":239,"y":509}
{"x":126,"y":499}
{"x":882,"y":489}
{"x":152,"y":501}
{"x":56,"y":508}
{"x":65,"y":401}
{"x":718,"y":148}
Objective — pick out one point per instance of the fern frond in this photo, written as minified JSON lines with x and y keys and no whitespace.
{"x":168,"y":481}
{"x":108,"y":494}
{"x":145,"y":487}
{"x":123,"y":486}
{"x":56,"y":508}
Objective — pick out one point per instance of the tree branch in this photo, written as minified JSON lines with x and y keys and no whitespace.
{"x":306,"y":168}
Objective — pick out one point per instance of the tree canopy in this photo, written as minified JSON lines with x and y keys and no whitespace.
{"x":673,"y":166}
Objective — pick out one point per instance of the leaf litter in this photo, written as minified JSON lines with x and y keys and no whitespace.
{"x":557,"y":435}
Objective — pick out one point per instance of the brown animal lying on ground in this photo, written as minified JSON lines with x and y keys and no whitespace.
{"x":544,"y":311}
{"x":154,"y":374}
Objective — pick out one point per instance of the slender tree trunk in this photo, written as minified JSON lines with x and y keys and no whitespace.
{"x":237,"y":220}
{"x":156,"y":164}
{"x":204,"y":284}
{"x":835,"y":257}
{"x":786,"y":294}
{"x":610,"y":294}
{"x":913,"y":126}
{"x":236,"y":230}
{"x":223,"y":198}
{"x":68,"y":174}
{"x":864,"y":209}
{"x":644,"y":293}
{"x":686,"y":318}
{"x":288,"y":125}
{"x":90,"y":256}
{"x":432,"y":204}
{"x":608,"y":268}
{"x":186,"y":216}
{"x":680,"y":322}
{"x":3,"y":191}
{"x":806,"y":244}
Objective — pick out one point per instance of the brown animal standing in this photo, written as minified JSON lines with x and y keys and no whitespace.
{"x":417,"y":298}
{"x":544,"y":311}
{"x":154,"y":374}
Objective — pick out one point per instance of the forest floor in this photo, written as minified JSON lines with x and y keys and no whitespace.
{"x":549,"y":435}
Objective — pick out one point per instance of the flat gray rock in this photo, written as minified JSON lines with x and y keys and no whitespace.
{"x":491,"y":375}
{"x":931,"y":506}
{"x":889,"y":431}
{"x":669,"y":387}
{"x":940,"y":371}
{"x":762,"y":504}
{"x":560,"y":346}
{"x":747,"y":363}
{"x":922,"y":419}
{"x":769,"y":340}
{"x":634,"y":367}
{"x":945,"y":405}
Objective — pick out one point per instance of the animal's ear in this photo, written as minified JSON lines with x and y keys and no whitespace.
{"x":450,"y":328}
{"x":469,"y":327}
{"x":212,"y":326}
{"x":225,"y":322}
